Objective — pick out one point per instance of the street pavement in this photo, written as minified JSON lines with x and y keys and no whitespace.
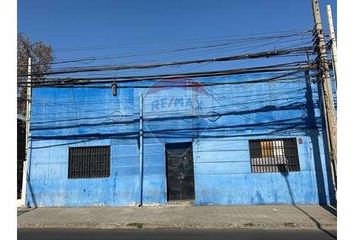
{"x":173,"y":234}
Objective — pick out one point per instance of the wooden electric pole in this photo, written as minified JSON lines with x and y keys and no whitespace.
{"x":332,"y":37}
{"x":326,"y":89}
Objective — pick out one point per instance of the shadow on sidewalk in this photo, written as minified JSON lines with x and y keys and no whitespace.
{"x":330,"y":209}
{"x":23,"y":211}
{"x":318,"y":224}
{"x":26,"y":210}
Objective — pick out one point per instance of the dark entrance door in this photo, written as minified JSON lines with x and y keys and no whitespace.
{"x":180,"y":173}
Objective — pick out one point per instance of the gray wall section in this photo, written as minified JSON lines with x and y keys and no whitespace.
{"x":219,"y":120}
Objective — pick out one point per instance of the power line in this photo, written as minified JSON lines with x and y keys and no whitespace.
{"x":234,"y":38}
{"x":292,"y":66}
{"x":177,"y":63}
{"x":230,"y":43}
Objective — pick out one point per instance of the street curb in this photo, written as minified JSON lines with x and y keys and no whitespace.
{"x":284,"y":226}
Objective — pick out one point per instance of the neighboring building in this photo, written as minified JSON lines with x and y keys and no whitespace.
{"x":256,"y":142}
{"x":21,"y":152}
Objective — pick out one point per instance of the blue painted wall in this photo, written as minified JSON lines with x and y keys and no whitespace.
{"x":219,"y":120}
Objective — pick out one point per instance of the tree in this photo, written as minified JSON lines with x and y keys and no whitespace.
{"x":42,"y":58}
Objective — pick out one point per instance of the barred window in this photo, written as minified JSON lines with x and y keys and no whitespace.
{"x":274,"y":155}
{"x":89,"y":162}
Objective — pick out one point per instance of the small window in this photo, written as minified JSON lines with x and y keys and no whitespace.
{"x":274,"y":155}
{"x":89,"y":162}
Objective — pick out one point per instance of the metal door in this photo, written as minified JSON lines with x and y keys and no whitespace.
{"x":180,"y":172}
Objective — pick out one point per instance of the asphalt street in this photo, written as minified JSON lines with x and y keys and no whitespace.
{"x":149,"y":234}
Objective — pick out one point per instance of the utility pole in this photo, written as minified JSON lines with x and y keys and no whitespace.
{"x":326,"y":89}
{"x":333,"y":41}
{"x":27,"y":144}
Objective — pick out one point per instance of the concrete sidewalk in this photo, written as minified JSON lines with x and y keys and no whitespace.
{"x":212,"y":217}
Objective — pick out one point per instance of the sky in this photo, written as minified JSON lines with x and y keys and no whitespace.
{"x":119,"y":29}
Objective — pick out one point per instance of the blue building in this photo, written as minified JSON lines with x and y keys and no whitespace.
{"x":234,"y":140}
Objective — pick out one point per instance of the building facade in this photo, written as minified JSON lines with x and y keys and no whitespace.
{"x":21,"y":152}
{"x":235,"y":140}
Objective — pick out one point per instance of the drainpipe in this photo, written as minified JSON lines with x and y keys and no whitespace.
{"x":141,"y":152}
